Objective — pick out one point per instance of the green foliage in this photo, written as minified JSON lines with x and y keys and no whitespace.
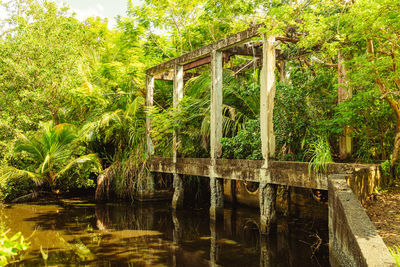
{"x":246,"y":144}
{"x":11,"y":247}
{"x":395,"y":251}
{"x":372,"y":124}
{"x":321,"y":155}
{"x":51,"y":153}
{"x":11,"y":188}
{"x":91,"y":80}
{"x":390,"y":169}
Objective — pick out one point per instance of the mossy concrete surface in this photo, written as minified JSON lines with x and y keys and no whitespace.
{"x":353,"y":239}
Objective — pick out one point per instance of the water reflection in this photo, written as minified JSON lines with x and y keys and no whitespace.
{"x":81,"y":233}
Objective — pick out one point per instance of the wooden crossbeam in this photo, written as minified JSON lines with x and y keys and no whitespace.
{"x":245,"y":51}
{"x":169,"y":76}
{"x":205,"y":51}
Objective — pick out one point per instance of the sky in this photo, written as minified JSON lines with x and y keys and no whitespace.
{"x":87,"y":8}
{"x":102,"y":8}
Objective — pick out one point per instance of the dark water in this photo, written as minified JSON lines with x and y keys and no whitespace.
{"x":75,"y":232}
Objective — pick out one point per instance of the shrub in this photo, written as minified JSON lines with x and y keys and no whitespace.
{"x":11,"y":188}
{"x":246,"y":144}
{"x":11,"y":247}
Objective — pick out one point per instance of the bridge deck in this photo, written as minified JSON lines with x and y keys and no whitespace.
{"x":282,"y":172}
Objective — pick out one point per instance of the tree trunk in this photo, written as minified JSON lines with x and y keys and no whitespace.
{"x":396,"y":148}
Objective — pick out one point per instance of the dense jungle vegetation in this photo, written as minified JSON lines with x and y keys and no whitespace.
{"x":72,"y":101}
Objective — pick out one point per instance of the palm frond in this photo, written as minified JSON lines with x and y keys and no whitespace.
{"x":90,"y":158}
{"x":9,"y":172}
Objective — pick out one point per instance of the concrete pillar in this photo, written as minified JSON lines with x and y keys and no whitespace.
{"x":267,"y":96}
{"x":267,"y":190}
{"x":216,"y":105}
{"x":216,"y":185}
{"x":344,"y":93}
{"x":267,"y":193}
{"x":177,"y":199}
{"x":147,"y":186}
{"x":149,"y":103}
{"x":217,"y":197}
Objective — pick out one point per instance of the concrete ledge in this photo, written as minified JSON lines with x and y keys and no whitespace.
{"x":282,"y":172}
{"x":353,"y":240}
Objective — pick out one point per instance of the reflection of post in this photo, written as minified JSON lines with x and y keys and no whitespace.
{"x":267,"y":252}
{"x":177,"y":200}
{"x":216,"y":185}
{"x":230,"y":222}
{"x":267,"y":191}
{"x":214,"y":247}
{"x":103,"y":217}
{"x":177,"y":236}
{"x":144,"y":217}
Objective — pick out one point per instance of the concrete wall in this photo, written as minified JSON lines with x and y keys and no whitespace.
{"x":363,"y":181}
{"x":301,"y":202}
{"x":353,"y":240}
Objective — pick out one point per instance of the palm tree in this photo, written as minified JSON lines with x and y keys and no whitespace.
{"x":119,"y":135}
{"x":51,"y":153}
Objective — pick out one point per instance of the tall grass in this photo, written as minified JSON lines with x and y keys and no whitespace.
{"x":321,"y":156}
{"x":395,"y":251}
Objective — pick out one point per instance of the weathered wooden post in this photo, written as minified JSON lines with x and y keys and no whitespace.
{"x":216,"y":185}
{"x":267,"y":191}
{"x":344,"y":93}
{"x":177,"y":199}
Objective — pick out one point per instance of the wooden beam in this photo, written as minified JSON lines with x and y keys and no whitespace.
{"x":246,"y":51}
{"x":205,"y":51}
{"x":287,"y":39}
{"x":197,"y":63}
{"x":169,"y":76}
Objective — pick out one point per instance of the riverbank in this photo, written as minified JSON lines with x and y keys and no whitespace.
{"x":383,"y":208}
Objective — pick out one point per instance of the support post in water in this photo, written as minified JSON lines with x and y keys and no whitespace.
{"x":267,"y":190}
{"x":177,"y":199}
{"x":344,"y":93}
{"x":216,"y":185}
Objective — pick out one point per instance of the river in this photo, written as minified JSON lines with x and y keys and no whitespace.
{"x":77,"y":232}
